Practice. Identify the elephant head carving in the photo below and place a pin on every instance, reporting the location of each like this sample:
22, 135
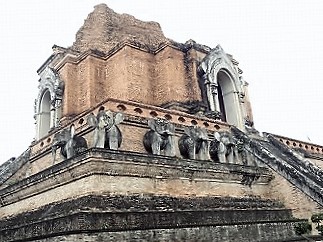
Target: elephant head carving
69, 143
193, 144
106, 133
223, 148
160, 137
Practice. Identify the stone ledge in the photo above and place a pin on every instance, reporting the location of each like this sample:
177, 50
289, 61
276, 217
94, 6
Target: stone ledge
129, 164
139, 202
122, 213
277, 232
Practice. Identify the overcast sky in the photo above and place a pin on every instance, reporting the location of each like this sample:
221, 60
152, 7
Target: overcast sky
279, 44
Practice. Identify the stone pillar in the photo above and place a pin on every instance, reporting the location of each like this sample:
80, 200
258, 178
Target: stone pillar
58, 111
215, 97
52, 114
212, 93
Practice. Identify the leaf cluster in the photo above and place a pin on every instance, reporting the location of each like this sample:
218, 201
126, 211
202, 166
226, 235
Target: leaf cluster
302, 227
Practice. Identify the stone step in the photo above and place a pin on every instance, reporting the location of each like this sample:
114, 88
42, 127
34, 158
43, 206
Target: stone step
124, 213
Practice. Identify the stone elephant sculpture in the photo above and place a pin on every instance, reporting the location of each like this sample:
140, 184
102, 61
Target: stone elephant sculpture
69, 143
160, 137
194, 143
106, 132
223, 148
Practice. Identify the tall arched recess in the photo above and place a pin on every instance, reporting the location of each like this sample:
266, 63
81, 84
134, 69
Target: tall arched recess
44, 119
227, 91
48, 102
224, 87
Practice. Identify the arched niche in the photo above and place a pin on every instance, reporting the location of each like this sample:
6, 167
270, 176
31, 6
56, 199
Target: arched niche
223, 86
48, 102
228, 100
44, 117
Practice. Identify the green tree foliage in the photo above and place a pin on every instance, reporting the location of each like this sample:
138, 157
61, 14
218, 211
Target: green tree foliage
318, 218
302, 227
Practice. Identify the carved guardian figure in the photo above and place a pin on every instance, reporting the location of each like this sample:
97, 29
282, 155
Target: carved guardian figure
106, 132
223, 148
194, 143
160, 137
69, 143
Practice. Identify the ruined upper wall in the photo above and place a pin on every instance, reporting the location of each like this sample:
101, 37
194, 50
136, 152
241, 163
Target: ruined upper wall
104, 29
117, 56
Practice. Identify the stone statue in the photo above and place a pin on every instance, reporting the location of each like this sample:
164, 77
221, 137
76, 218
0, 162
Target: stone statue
240, 146
160, 137
69, 143
194, 143
106, 132
217, 149
223, 148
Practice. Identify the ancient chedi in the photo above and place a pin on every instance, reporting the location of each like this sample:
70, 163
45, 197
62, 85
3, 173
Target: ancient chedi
141, 138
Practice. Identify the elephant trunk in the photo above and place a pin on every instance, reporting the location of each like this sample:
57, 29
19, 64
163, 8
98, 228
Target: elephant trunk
54, 149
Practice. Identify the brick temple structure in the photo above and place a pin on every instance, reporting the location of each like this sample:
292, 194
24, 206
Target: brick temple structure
141, 138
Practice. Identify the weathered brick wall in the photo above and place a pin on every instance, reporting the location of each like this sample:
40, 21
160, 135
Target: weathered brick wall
301, 205
77, 87
235, 233
101, 172
171, 81
130, 74
140, 76
152, 218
